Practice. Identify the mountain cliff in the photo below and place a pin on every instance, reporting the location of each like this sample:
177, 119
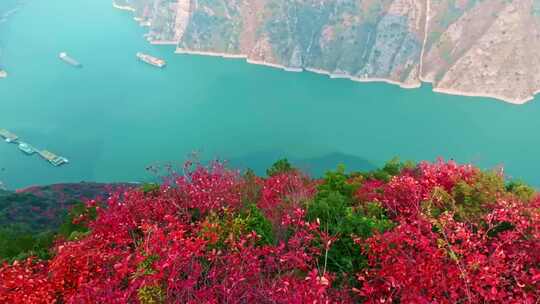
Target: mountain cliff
466, 47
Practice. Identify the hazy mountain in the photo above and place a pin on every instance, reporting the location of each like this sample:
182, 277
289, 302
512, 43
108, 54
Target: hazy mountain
314, 166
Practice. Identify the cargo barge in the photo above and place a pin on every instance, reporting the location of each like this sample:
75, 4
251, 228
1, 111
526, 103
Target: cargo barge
67, 59
151, 60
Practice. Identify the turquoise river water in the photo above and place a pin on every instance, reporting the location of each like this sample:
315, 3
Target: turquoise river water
116, 116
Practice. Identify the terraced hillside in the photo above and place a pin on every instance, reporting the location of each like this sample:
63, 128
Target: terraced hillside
469, 47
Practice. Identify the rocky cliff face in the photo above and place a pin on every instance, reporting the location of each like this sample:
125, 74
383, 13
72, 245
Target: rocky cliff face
469, 47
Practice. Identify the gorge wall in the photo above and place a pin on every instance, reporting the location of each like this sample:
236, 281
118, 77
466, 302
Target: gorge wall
465, 47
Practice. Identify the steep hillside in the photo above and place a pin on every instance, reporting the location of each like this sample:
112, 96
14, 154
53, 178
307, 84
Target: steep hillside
38, 209
468, 47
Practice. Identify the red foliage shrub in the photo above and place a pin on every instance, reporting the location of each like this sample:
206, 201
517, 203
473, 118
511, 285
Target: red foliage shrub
143, 245
281, 194
26, 282
403, 194
443, 258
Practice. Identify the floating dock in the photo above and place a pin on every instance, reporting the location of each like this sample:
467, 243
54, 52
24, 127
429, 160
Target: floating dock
52, 158
26, 148
8, 136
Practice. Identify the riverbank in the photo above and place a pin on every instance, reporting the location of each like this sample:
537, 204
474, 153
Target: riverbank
297, 70
516, 101
123, 7
238, 56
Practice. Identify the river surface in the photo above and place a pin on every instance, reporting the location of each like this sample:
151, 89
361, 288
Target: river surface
116, 116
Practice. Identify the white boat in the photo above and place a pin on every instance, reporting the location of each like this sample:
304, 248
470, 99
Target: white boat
159, 63
67, 59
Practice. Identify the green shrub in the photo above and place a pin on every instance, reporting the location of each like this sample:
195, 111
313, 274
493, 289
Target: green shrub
151, 294
334, 207
149, 188
229, 225
521, 190
255, 221
19, 241
146, 266
71, 230
392, 168
337, 182
472, 200
281, 166
18, 244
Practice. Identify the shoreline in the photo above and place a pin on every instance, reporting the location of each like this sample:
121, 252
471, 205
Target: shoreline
514, 101
367, 79
298, 70
123, 7
162, 42
237, 56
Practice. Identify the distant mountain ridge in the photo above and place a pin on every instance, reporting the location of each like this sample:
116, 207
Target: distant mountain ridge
468, 47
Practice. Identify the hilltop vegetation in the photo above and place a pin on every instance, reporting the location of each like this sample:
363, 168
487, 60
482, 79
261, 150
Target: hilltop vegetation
406, 233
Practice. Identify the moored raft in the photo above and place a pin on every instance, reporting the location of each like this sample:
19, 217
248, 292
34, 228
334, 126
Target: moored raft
26, 148
8, 136
52, 158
